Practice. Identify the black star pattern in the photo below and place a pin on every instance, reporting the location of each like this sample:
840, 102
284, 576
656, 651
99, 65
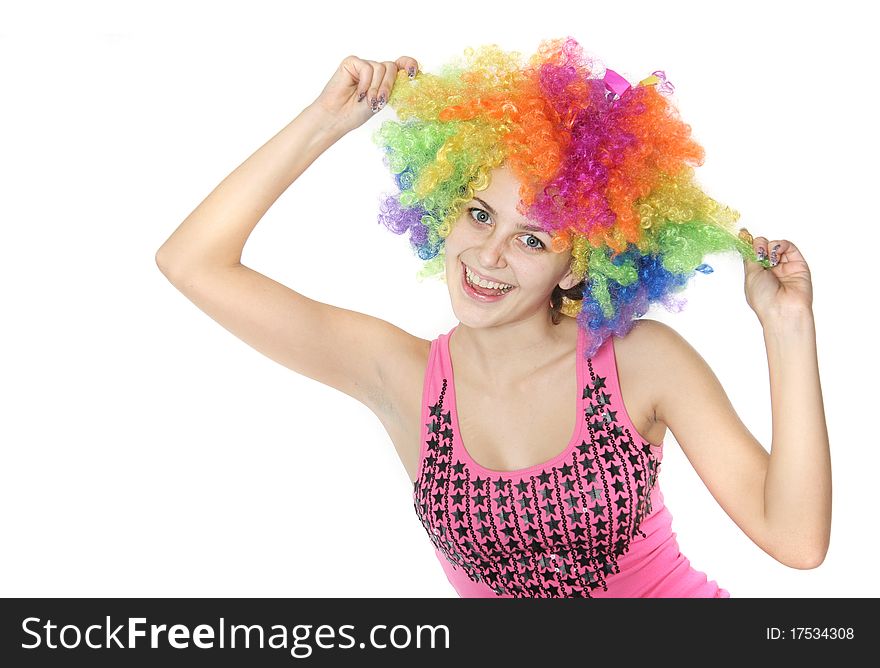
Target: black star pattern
556, 532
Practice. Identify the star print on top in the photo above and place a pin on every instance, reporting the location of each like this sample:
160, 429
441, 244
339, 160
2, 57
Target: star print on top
590, 522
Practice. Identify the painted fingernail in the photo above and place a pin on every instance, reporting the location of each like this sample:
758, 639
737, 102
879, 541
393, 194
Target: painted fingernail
373, 104
382, 100
773, 258
362, 96
412, 72
761, 253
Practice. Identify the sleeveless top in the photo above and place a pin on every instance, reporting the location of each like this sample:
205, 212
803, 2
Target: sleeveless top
590, 522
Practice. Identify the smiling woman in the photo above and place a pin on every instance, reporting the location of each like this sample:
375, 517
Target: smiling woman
533, 190
603, 168
601, 173
541, 242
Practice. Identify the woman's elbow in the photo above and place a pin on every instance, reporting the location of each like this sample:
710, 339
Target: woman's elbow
805, 559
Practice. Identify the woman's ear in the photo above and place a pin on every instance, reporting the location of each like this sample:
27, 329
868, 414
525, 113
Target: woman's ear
569, 280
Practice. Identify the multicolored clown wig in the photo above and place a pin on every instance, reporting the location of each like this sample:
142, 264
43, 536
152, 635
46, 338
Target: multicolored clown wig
606, 168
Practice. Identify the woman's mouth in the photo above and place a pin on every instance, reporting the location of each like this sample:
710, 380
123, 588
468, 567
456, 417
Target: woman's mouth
487, 292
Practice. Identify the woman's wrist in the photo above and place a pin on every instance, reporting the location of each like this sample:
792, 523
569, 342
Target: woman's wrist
325, 121
797, 320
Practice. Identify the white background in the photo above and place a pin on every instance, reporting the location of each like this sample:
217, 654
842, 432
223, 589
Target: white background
146, 451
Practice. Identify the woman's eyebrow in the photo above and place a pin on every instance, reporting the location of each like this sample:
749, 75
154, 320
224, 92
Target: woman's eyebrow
529, 228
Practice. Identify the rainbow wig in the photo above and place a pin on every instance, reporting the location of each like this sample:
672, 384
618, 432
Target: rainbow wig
606, 168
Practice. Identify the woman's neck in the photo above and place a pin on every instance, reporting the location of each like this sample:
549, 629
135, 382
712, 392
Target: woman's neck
508, 355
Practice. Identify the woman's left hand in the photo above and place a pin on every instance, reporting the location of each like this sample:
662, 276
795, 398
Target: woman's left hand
783, 288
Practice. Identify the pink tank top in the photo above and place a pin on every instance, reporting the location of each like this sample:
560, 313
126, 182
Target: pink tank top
590, 522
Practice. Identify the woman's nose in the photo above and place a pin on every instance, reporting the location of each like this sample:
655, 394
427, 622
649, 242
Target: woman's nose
491, 251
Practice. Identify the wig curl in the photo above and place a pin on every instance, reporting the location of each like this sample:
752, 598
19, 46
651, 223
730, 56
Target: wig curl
606, 168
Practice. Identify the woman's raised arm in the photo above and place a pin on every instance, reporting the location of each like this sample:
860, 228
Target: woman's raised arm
214, 234
202, 258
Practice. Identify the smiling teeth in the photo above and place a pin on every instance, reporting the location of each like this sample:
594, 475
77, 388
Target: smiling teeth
474, 279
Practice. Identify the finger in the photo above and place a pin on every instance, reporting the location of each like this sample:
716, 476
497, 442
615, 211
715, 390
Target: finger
782, 250
362, 72
376, 82
752, 266
774, 247
409, 64
760, 246
388, 80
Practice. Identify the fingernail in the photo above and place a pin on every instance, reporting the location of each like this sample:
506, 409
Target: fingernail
412, 72
760, 253
382, 100
362, 96
373, 104
773, 258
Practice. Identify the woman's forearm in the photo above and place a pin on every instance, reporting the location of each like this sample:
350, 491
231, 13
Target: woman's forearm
797, 489
214, 234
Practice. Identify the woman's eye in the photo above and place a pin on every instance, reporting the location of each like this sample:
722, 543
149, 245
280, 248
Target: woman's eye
479, 211
540, 245
483, 217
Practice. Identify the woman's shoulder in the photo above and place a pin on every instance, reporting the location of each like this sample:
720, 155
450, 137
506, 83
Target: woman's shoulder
649, 339
656, 357
644, 355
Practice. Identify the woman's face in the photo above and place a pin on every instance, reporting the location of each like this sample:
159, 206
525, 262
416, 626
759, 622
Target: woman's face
488, 239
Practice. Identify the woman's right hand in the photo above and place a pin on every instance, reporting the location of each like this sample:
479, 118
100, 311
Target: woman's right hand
359, 88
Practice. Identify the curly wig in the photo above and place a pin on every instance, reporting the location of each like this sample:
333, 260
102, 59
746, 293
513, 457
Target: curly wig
605, 167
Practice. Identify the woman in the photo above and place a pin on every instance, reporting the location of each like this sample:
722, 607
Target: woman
536, 191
